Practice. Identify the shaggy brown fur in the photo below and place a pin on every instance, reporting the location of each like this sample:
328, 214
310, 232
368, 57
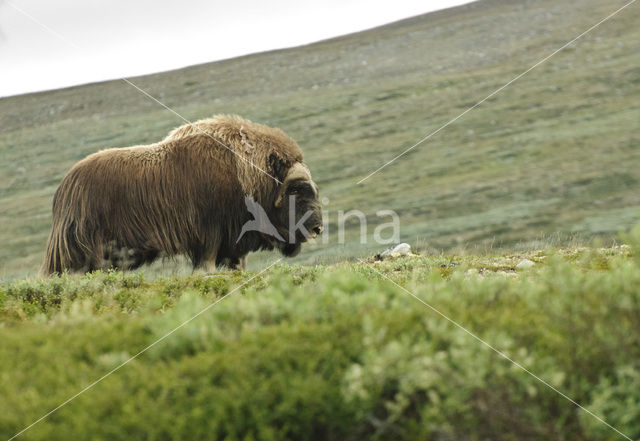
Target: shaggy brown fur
124, 207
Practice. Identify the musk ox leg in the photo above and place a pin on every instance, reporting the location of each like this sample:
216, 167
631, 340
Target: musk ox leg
232, 262
238, 263
134, 258
125, 257
208, 267
205, 266
204, 255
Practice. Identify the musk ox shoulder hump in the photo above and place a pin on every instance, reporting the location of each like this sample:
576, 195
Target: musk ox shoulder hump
241, 135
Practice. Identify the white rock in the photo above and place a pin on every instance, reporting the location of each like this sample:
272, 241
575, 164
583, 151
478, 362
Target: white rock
401, 249
524, 264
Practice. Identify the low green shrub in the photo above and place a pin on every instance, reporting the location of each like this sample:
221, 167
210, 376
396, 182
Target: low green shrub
336, 353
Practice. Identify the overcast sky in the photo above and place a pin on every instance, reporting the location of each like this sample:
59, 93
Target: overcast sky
106, 39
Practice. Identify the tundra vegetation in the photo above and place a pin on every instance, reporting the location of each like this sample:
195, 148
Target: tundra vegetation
331, 352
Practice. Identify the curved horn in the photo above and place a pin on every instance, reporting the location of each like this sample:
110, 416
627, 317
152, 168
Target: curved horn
297, 171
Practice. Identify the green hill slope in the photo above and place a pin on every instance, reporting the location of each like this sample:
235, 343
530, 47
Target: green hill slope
330, 353
556, 152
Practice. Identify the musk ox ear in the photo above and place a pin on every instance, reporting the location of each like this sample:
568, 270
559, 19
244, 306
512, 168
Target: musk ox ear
296, 172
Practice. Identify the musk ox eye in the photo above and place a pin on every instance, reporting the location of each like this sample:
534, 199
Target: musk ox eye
302, 188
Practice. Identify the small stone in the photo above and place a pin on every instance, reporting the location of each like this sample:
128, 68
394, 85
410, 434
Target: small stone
524, 264
401, 249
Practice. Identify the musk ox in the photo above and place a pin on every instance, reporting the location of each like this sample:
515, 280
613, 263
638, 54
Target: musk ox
213, 190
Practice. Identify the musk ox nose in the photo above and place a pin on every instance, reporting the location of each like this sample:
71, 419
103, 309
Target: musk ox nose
317, 230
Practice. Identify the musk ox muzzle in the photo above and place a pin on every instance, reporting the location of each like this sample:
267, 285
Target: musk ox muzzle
213, 190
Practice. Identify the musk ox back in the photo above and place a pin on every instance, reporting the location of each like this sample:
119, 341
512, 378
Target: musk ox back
193, 193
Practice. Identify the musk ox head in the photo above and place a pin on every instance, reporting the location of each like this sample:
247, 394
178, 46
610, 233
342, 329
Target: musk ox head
297, 211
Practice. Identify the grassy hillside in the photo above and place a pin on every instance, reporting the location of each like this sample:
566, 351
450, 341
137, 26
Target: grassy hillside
554, 153
331, 353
